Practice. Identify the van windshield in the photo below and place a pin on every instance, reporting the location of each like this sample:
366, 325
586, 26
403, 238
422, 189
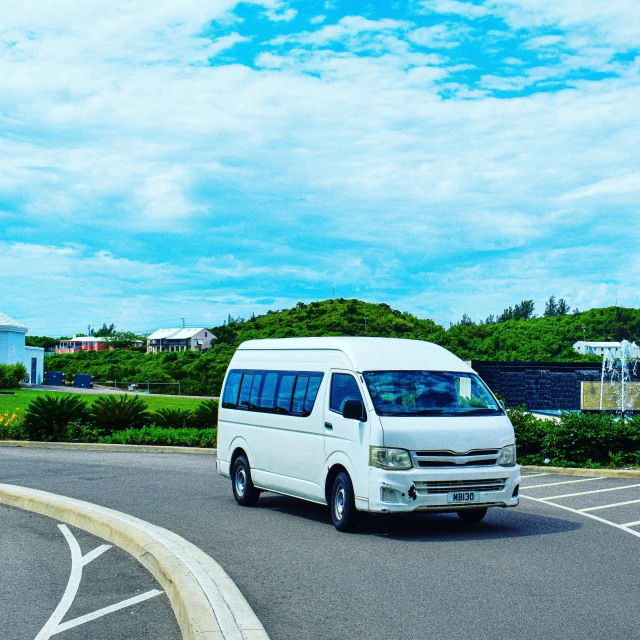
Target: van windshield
429, 393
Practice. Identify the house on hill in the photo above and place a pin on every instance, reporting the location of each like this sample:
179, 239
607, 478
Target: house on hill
184, 339
89, 343
14, 350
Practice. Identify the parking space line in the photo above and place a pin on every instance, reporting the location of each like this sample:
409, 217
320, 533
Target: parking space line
585, 493
586, 515
103, 612
553, 484
535, 475
609, 506
631, 524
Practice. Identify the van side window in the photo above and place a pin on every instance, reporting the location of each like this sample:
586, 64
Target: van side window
343, 387
255, 389
299, 393
284, 392
245, 389
312, 391
231, 389
268, 396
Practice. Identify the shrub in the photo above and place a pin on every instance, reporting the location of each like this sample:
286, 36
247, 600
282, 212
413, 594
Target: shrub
48, 417
530, 432
11, 375
11, 427
116, 412
174, 418
206, 415
156, 435
592, 438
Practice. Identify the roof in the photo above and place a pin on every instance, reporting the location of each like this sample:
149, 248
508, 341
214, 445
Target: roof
9, 324
372, 354
175, 334
597, 344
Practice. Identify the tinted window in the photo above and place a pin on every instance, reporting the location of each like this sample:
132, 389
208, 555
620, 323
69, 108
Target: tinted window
268, 395
284, 392
231, 389
343, 387
254, 396
299, 394
245, 389
312, 392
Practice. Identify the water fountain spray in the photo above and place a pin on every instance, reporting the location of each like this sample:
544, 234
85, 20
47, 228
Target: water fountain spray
628, 356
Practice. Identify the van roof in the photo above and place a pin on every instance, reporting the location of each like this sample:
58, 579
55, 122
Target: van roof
371, 354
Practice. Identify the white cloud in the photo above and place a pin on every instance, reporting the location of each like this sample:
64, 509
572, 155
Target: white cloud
628, 184
318, 19
436, 37
466, 9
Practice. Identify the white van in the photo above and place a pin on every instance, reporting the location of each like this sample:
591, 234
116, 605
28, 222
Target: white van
364, 424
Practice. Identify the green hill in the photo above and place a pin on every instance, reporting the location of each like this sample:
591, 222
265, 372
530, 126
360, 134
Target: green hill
541, 339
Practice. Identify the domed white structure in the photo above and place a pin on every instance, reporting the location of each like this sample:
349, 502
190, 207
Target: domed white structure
13, 349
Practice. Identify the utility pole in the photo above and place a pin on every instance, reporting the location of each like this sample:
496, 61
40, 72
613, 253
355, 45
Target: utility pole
183, 323
584, 333
365, 324
333, 294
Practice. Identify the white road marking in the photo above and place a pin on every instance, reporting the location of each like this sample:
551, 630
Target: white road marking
103, 612
586, 515
585, 493
553, 484
535, 475
54, 624
631, 524
77, 562
609, 506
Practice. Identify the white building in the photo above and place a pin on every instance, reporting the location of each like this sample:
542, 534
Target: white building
14, 350
598, 348
184, 339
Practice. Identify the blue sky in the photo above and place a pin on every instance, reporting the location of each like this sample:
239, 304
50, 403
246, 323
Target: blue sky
164, 159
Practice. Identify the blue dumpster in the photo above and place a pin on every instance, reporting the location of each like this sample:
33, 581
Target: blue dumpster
83, 380
55, 378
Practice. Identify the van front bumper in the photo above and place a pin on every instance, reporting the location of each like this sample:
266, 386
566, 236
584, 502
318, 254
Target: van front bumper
429, 489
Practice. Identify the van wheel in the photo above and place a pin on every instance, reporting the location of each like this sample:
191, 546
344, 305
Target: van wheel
244, 492
472, 515
343, 505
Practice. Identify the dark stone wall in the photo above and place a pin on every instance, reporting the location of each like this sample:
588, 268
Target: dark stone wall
538, 385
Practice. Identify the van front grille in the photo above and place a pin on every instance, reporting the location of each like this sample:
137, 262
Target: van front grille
472, 458
445, 486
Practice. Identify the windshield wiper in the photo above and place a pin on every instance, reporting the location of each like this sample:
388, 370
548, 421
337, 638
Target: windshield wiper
477, 411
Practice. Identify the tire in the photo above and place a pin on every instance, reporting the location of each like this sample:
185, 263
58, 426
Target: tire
472, 515
244, 492
343, 505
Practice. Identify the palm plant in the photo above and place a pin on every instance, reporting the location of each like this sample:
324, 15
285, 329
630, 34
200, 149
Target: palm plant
206, 414
175, 418
48, 417
115, 413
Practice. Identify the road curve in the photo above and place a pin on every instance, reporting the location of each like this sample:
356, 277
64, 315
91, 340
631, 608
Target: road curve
529, 572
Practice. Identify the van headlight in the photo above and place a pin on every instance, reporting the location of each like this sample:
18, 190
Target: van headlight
507, 457
391, 459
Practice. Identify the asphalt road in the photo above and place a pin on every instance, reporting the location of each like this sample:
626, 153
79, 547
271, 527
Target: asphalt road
35, 567
536, 571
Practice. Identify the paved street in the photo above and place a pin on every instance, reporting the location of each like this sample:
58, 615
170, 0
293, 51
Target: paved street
36, 566
538, 571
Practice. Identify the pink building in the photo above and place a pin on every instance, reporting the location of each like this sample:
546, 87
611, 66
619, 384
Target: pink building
88, 343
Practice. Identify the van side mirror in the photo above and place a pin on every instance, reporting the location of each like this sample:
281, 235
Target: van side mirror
354, 410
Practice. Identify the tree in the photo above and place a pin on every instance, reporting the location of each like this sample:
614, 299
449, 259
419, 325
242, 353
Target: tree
122, 339
466, 320
105, 330
551, 307
563, 307
524, 310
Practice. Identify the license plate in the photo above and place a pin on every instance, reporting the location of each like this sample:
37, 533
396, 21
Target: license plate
463, 497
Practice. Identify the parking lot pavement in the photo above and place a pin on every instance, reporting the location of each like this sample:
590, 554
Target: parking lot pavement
611, 501
42, 562
535, 572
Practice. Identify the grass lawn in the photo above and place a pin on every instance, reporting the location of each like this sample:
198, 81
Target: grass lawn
23, 396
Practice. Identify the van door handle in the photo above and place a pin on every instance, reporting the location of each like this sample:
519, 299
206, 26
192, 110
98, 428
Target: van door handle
328, 425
